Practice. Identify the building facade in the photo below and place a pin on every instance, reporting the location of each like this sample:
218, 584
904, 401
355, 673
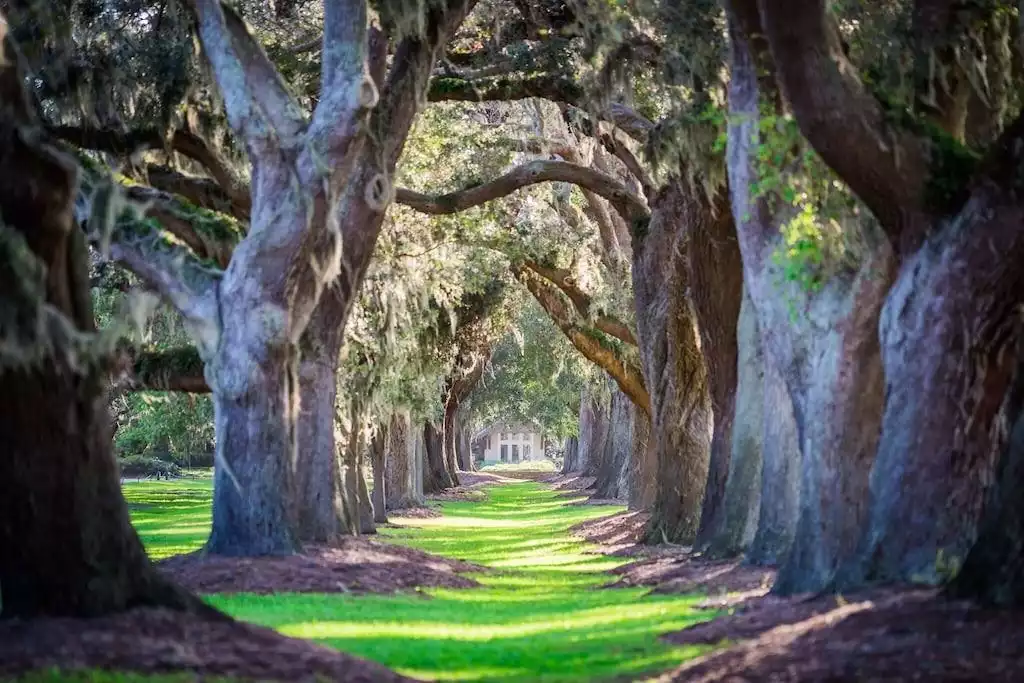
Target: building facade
509, 443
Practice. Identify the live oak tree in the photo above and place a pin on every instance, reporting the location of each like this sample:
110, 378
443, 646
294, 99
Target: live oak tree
70, 549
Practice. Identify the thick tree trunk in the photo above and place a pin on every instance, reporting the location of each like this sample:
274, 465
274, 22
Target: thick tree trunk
403, 467
357, 495
378, 458
716, 289
320, 503
571, 459
594, 409
780, 471
616, 460
255, 405
436, 476
993, 572
69, 548
829, 358
463, 449
948, 333
674, 370
741, 506
642, 466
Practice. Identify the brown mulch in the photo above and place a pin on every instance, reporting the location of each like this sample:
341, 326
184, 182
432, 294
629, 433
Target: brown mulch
615, 534
571, 482
422, 512
882, 635
352, 565
159, 641
684, 573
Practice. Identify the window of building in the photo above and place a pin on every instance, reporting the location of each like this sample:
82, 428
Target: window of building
526, 451
504, 436
515, 453
504, 453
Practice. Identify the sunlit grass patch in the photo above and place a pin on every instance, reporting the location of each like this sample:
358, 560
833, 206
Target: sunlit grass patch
540, 615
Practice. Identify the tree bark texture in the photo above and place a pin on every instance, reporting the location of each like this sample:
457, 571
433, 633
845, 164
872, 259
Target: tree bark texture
829, 359
69, 547
642, 465
436, 475
594, 407
948, 330
571, 459
378, 456
617, 455
320, 499
993, 572
674, 368
254, 412
463, 449
741, 506
403, 467
716, 290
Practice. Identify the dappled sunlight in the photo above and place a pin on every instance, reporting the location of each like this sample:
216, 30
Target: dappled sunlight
540, 613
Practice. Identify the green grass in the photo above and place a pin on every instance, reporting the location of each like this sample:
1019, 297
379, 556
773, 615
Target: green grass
539, 615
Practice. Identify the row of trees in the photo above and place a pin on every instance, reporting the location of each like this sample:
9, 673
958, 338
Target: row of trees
820, 344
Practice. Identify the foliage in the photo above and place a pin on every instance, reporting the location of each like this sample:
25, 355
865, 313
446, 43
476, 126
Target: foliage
820, 237
173, 426
535, 375
544, 620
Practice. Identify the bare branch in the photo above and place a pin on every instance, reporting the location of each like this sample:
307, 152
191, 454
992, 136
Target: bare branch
258, 104
531, 173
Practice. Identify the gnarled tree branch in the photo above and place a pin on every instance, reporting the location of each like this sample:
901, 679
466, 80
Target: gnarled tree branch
886, 165
531, 173
629, 377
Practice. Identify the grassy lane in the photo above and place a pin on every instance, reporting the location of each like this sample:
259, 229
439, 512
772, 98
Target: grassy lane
538, 617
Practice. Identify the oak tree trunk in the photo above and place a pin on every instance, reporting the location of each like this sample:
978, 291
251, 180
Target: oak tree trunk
948, 333
993, 572
741, 506
571, 459
463, 450
436, 475
674, 369
378, 457
403, 466
642, 465
69, 548
828, 357
616, 457
716, 289
320, 500
593, 430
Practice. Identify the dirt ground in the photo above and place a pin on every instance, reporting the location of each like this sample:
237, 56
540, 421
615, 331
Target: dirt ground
159, 641
352, 565
895, 634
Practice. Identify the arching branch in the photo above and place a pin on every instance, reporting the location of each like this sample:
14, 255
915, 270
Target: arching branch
582, 301
628, 376
531, 173
885, 164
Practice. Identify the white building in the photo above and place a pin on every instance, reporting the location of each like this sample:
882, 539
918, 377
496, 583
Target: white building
511, 443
